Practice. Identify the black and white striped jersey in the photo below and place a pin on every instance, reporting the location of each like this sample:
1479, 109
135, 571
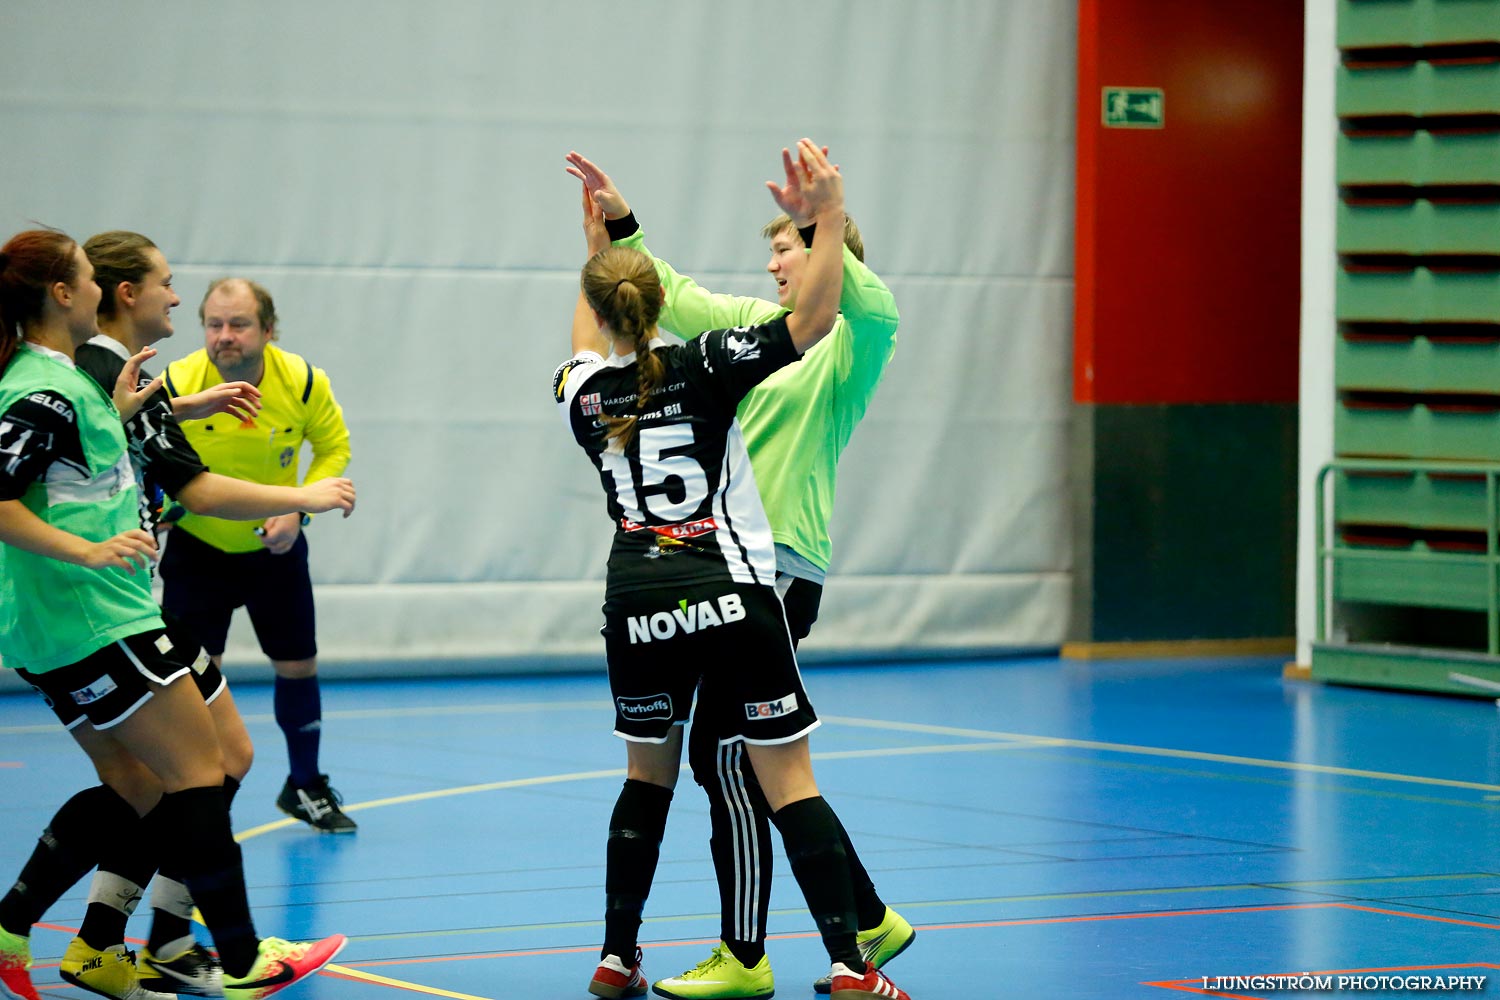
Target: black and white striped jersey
681, 495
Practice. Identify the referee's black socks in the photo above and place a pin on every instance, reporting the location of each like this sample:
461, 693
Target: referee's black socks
635, 831
811, 834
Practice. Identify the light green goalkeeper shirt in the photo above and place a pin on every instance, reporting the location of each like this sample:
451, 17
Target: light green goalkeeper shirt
797, 422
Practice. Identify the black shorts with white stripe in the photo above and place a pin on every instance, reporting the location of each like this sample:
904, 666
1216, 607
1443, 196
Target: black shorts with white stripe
107, 686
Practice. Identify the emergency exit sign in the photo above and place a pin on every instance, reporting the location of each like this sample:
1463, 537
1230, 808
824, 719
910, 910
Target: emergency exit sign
1134, 107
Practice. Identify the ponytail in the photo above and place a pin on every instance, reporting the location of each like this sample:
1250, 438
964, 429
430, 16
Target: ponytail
622, 287
31, 262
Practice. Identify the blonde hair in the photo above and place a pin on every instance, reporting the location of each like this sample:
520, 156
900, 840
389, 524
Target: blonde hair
622, 287
852, 238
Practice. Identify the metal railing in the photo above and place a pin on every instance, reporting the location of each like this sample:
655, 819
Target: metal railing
1329, 553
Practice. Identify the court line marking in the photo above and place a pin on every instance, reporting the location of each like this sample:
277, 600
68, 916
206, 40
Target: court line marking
1131, 748
912, 727
357, 975
617, 772
975, 925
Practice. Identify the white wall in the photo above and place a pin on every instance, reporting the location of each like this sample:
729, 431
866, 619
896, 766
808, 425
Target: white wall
1319, 207
393, 173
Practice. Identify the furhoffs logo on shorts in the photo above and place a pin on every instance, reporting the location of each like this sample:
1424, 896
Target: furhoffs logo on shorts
652, 706
785, 705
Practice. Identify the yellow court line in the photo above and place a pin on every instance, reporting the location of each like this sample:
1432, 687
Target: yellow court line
369, 977
1057, 741
442, 793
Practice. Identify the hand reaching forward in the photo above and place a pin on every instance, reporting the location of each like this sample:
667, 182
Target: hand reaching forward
127, 550
598, 185
333, 493
128, 398
238, 399
813, 185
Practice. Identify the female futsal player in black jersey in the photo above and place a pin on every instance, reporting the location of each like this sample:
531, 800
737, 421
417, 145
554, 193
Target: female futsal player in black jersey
690, 584
77, 619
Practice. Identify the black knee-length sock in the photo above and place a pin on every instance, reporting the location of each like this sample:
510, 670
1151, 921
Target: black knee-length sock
68, 848
635, 831
810, 833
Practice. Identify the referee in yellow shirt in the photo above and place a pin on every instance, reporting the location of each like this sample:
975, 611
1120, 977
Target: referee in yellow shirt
212, 566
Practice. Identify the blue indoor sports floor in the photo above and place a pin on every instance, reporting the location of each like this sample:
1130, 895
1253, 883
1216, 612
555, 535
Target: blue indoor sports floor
1052, 828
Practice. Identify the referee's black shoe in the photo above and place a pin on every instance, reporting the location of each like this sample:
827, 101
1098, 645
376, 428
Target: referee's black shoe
317, 805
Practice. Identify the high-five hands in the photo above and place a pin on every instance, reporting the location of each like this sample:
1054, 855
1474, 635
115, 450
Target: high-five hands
813, 185
597, 185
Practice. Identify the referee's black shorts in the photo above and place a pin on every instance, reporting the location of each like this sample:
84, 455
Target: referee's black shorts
203, 585
733, 637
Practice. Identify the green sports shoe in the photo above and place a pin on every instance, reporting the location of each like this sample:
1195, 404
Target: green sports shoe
878, 945
720, 976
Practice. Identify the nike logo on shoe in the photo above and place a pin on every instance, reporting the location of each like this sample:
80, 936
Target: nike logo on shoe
283, 974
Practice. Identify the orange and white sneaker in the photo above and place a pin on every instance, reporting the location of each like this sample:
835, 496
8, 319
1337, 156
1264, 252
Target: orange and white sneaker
280, 964
850, 985
15, 959
614, 979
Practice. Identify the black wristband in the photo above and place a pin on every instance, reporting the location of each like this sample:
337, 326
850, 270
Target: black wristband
806, 232
622, 227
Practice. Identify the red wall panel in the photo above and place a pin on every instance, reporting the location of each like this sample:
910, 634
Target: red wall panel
1187, 236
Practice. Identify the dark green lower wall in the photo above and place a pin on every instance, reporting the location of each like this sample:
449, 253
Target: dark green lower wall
1192, 529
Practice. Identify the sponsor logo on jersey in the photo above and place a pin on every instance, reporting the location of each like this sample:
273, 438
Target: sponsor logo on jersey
686, 618
589, 404
652, 706
560, 377
56, 404
689, 529
664, 547
785, 705
286, 457
95, 691
741, 348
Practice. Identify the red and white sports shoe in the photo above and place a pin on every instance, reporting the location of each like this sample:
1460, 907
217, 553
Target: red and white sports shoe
614, 979
15, 959
279, 964
850, 985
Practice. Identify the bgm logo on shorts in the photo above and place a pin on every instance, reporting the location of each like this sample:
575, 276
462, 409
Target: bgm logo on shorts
785, 705
652, 706
88, 695
687, 617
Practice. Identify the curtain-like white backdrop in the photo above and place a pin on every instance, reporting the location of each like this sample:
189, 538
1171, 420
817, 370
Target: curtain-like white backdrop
393, 173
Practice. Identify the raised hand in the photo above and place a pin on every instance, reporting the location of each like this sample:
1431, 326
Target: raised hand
793, 200
128, 398
813, 185
126, 551
598, 185
594, 230
238, 399
333, 493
